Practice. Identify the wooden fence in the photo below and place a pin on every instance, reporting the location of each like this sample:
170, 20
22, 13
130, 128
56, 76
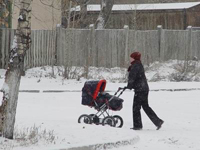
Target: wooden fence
103, 48
41, 53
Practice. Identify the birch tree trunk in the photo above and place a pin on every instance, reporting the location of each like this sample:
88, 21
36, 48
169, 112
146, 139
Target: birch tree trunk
10, 89
106, 8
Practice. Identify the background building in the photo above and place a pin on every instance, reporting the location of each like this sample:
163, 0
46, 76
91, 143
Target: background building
143, 1
46, 14
146, 16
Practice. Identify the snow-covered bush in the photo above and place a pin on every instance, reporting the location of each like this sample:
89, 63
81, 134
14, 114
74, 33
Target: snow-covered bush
34, 135
30, 136
186, 71
174, 71
171, 70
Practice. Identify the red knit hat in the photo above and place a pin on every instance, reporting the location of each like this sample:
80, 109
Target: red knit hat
136, 55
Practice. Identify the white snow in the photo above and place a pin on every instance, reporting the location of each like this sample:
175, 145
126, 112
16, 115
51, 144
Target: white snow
103, 4
14, 45
91, 25
101, 22
153, 6
126, 26
21, 17
58, 25
59, 112
4, 89
14, 48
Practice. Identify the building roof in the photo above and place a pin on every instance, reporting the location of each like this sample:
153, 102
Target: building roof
154, 6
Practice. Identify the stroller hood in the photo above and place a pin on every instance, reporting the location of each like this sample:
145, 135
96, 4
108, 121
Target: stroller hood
91, 90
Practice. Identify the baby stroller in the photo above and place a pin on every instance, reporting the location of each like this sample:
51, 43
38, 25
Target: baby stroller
93, 95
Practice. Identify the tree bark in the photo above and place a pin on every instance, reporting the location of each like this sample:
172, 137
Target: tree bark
64, 14
10, 89
83, 13
106, 8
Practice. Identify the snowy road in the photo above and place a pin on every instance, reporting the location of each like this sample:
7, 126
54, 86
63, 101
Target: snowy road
60, 111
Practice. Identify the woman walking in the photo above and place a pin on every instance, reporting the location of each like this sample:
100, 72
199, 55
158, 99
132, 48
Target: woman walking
137, 81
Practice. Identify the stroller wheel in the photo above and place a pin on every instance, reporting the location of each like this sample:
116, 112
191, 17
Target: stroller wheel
95, 119
85, 119
118, 120
109, 121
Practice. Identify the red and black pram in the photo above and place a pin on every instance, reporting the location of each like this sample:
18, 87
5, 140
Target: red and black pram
94, 95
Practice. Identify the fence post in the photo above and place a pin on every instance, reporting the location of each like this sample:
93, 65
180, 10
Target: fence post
135, 46
91, 46
93, 51
56, 45
1, 39
159, 28
88, 57
126, 30
188, 49
189, 44
58, 49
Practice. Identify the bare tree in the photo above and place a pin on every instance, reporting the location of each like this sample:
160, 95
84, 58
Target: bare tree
83, 13
11, 85
68, 16
82, 20
64, 15
106, 8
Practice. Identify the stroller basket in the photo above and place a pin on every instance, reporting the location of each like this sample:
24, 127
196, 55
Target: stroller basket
93, 95
113, 103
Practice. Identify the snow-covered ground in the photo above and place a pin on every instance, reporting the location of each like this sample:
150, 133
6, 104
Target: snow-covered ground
53, 116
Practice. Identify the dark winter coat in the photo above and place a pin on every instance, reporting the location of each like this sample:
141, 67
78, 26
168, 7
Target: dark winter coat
137, 79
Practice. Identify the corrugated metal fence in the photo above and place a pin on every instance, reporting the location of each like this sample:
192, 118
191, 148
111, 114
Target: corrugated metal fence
102, 48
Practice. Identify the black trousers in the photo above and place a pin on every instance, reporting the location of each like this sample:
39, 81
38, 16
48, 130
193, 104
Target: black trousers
141, 100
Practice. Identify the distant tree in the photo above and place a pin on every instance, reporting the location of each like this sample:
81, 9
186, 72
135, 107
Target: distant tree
83, 13
80, 18
67, 16
14, 71
106, 8
65, 4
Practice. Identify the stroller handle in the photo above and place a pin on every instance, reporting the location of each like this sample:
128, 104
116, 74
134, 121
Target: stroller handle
122, 89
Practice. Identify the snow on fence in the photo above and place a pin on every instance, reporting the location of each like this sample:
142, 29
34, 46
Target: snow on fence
103, 48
